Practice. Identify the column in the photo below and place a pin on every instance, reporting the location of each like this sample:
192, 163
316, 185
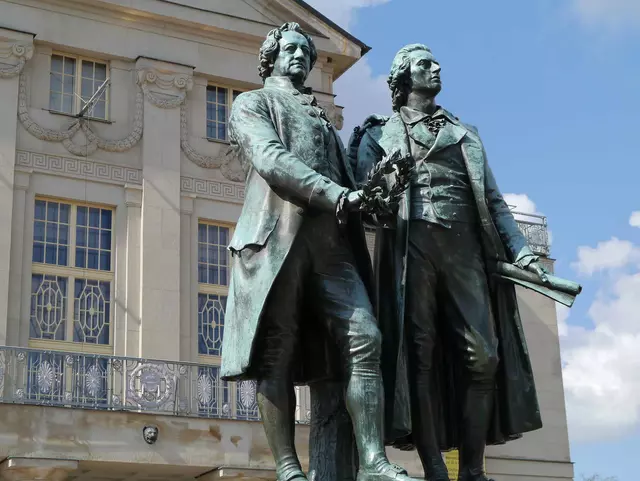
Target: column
20, 187
132, 324
187, 313
165, 88
33, 469
15, 49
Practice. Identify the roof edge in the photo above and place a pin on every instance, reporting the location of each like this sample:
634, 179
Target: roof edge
364, 48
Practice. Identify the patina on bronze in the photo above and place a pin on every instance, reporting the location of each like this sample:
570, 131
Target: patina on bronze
452, 333
299, 306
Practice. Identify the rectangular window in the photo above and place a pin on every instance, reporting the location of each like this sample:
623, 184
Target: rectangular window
73, 81
213, 282
72, 277
219, 101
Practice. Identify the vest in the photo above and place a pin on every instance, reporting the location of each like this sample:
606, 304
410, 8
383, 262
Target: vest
441, 190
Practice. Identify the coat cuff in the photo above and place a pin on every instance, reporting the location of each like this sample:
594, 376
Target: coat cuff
326, 195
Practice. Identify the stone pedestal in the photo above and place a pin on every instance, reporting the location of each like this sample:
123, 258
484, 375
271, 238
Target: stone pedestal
30, 469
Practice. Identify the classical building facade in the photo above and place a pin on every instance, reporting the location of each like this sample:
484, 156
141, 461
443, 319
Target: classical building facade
114, 222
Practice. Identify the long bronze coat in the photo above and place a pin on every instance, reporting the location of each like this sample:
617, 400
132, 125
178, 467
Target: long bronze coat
277, 135
516, 404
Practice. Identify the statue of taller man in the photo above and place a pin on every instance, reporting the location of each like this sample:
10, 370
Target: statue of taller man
299, 307
469, 373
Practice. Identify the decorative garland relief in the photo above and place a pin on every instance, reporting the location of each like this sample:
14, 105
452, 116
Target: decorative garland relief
228, 163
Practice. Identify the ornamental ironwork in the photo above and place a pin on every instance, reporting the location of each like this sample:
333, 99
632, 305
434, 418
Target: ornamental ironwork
114, 383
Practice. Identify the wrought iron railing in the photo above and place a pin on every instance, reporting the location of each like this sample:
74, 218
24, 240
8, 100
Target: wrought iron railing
534, 228
93, 381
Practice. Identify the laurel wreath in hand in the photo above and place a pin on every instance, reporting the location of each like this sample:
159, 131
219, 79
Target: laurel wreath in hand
376, 196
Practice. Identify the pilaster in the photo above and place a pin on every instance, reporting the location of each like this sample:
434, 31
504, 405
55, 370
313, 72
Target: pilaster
33, 469
132, 324
165, 88
15, 50
187, 247
20, 187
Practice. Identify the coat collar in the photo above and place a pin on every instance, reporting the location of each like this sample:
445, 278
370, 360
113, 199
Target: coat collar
284, 83
449, 135
411, 116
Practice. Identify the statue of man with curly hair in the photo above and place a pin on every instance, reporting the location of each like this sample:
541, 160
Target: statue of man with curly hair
452, 333
299, 307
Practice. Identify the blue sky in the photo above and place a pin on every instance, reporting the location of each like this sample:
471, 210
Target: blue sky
554, 88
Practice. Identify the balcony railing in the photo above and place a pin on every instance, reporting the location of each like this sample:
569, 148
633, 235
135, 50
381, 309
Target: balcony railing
92, 381
534, 228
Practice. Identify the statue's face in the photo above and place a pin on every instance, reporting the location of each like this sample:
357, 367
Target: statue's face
425, 72
294, 58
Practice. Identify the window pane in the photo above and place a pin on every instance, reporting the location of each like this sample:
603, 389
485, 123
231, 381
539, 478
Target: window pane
222, 113
38, 252
212, 253
40, 210
81, 236
87, 69
52, 211
67, 104
56, 63
48, 299
105, 219
100, 72
50, 254
62, 256
87, 89
63, 234
94, 236
55, 83
99, 110
210, 323
64, 213
68, 85
92, 302
211, 130
222, 95
38, 231
222, 131
94, 217
211, 94
105, 239
81, 257
105, 261
69, 66
92, 259
82, 216
49, 236
52, 233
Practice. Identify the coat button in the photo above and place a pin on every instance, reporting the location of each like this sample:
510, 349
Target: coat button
313, 113
295, 92
300, 211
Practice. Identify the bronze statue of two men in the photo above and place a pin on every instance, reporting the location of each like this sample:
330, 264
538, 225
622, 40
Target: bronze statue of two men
428, 349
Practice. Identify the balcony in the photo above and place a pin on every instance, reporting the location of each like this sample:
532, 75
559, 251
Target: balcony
112, 383
534, 228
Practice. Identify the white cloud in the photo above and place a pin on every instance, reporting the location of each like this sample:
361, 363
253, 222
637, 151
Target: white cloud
359, 91
521, 203
608, 13
634, 220
601, 363
611, 254
562, 314
341, 11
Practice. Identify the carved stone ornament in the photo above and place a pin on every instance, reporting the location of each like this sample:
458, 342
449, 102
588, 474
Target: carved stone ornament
171, 82
228, 163
14, 52
93, 142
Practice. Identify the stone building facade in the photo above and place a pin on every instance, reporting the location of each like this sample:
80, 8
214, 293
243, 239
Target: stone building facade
113, 228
